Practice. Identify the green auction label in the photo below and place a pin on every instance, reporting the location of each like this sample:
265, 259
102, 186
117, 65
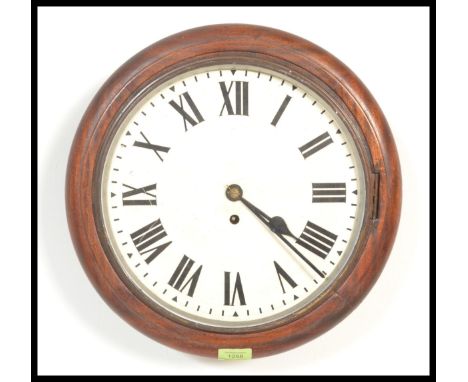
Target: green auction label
234, 354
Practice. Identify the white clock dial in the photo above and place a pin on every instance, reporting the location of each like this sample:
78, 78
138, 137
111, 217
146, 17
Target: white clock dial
212, 260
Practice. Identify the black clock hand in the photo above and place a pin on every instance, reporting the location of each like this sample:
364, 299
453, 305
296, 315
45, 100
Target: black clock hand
279, 227
294, 249
276, 224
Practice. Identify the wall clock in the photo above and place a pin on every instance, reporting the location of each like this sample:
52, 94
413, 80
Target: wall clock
233, 191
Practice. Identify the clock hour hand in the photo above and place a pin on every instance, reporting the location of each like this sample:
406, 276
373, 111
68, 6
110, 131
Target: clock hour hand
276, 224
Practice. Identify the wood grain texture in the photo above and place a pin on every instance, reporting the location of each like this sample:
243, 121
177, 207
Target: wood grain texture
272, 48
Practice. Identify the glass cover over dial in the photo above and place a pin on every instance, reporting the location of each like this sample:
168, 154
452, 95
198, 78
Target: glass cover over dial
232, 196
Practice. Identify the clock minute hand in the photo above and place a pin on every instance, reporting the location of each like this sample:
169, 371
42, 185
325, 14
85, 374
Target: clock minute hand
279, 227
276, 224
296, 251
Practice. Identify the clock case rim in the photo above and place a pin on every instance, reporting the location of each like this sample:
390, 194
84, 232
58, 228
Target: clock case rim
250, 45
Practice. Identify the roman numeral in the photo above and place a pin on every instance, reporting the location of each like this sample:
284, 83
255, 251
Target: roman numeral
180, 279
315, 145
241, 99
147, 237
238, 291
282, 275
149, 201
280, 111
328, 192
196, 116
149, 145
317, 240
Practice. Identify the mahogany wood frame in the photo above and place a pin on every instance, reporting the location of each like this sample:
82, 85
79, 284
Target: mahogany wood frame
270, 48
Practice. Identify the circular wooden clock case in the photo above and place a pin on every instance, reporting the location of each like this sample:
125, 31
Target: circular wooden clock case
305, 74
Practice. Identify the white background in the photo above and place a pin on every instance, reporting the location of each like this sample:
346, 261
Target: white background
387, 48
